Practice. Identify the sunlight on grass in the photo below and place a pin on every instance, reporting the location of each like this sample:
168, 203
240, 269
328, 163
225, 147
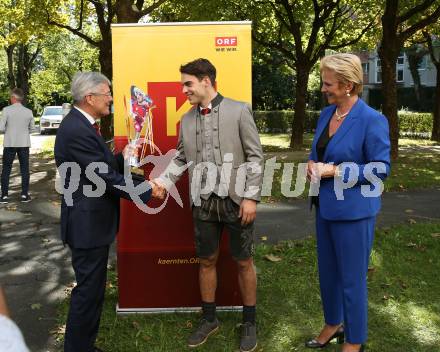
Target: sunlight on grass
404, 296
281, 335
279, 140
417, 142
420, 322
282, 140
375, 259
48, 145
420, 316
417, 167
404, 292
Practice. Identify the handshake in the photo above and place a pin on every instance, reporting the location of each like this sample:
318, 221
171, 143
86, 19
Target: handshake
159, 190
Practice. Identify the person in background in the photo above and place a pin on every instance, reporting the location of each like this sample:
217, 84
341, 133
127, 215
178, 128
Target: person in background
348, 131
17, 123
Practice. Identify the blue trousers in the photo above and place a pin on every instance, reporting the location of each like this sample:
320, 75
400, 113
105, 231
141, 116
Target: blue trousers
8, 159
343, 254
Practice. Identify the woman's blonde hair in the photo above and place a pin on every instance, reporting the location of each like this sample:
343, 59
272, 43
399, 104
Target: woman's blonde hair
347, 68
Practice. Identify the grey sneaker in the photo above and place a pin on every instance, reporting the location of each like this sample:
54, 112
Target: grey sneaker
248, 340
4, 200
202, 333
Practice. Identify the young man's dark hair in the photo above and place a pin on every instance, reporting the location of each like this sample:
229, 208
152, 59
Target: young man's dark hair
200, 68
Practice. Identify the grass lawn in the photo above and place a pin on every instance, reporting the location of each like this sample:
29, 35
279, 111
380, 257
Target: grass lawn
404, 304
418, 165
47, 148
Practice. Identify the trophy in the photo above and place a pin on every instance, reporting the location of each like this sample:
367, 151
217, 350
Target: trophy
139, 121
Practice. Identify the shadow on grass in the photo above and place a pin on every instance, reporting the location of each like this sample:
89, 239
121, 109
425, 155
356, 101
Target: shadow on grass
405, 290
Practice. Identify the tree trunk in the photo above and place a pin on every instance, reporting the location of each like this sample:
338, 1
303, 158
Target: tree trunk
436, 113
23, 70
388, 60
302, 79
105, 60
125, 12
413, 62
10, 56
388, 52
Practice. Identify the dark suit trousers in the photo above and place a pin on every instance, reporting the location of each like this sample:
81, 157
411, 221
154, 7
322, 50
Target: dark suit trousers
8, 159
90, 266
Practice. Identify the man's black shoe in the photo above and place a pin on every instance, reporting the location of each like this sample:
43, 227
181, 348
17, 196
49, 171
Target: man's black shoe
4, 200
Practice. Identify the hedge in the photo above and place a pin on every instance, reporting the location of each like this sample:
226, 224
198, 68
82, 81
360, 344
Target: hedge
411, 123
415, 122
281, 121
406, 98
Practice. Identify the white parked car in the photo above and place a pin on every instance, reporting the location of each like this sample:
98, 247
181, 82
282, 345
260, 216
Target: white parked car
51, 118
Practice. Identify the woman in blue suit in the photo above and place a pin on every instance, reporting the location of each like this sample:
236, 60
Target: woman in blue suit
350, 158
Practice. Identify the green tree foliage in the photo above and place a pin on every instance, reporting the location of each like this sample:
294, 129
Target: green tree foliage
272, 82
62, 55
91, 20
300, 31
20, 37
401, 20
3, 80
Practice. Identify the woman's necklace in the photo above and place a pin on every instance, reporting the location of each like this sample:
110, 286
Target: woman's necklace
339, 116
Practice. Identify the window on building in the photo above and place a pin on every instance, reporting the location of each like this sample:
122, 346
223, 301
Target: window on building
422, 63
400, 64
365, 67
378, 71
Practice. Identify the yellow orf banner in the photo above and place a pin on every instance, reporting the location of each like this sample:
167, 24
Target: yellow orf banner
157, 268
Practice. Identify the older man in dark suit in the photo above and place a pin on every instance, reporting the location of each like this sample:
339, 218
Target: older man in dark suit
93, 183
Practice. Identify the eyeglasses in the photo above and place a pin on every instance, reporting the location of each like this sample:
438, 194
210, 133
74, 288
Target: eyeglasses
108, 94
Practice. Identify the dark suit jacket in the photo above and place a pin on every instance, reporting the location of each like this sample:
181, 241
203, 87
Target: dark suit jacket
362, 138
91, 221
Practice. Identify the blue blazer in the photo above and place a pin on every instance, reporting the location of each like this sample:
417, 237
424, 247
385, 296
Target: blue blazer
362, 138
91, 221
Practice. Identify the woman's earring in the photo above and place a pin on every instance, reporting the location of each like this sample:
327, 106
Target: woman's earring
348, 93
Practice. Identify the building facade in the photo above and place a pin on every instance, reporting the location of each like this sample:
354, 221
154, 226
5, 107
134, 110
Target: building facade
371, 65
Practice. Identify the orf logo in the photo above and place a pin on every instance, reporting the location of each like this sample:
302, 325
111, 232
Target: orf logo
225, 41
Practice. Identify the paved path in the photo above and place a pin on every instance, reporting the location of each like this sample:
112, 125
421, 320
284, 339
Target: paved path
35, 268
294, 220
